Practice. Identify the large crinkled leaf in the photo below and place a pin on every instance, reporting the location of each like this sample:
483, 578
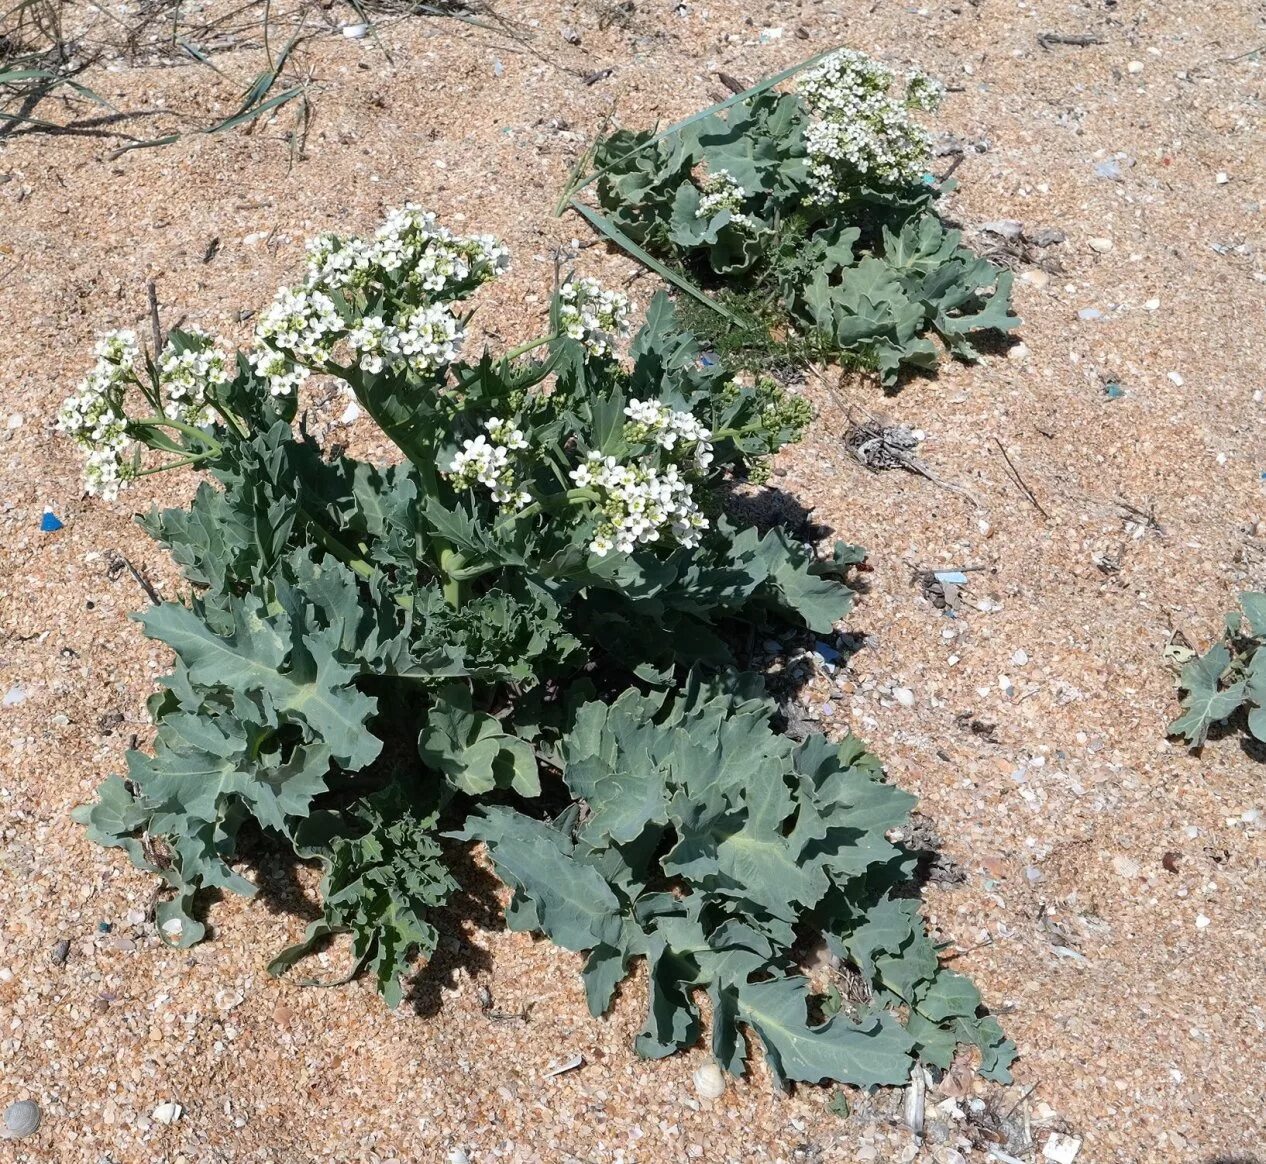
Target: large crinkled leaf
876, 1050
892, 951
762, 840
380, 886
294, 667
571, 901
1207, 702
471, 748
1255, 691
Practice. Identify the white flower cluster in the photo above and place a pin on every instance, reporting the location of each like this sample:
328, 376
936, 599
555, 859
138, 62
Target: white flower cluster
187, 376
93, 417
639, 504
407, 245
592, 315
487, 462
302, 322
722, 192
410, 256
423, 338
282, 374
653, 420
859, 133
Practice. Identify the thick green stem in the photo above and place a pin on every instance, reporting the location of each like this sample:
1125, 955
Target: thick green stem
180, 426
454, 585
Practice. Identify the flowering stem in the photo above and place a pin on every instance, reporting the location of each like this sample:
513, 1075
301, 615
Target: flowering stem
357, 565
523, 349
188, 430
192, 459
548, 504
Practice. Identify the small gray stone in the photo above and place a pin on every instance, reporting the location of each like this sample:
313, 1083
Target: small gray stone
21, 1119
1044, 236
1003, 227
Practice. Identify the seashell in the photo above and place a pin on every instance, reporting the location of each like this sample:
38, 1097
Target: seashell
168, 1113
709, 1081
21, 1119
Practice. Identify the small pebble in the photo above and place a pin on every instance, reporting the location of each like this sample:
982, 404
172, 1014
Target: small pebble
1135, 66
355, 31
1176, 377
1201, 921
904, 696
1037, 278
21, 1119
168, 1113
1020, 658
1090, 313
1222, 178
1100, 245
1151, 305
1018, 352
61, 951
1061, 1149
709, 1081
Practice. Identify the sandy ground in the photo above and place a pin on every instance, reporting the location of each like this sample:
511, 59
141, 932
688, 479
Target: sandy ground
1110, 908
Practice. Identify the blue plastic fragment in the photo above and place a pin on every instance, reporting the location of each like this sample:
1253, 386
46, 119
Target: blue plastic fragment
929, 179
1114, 391
828, 652
50, 523
708, 360
953, 577
105, 927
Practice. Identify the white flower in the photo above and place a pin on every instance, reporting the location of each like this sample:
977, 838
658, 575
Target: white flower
187, 377
592, 315
302, 322
860, 133
722, 192
487, 462
652, 420
94, 418
639, 504
283, 375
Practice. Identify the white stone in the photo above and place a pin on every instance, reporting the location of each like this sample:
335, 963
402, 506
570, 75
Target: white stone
1135, 66
1201, 921
1176, 377
168, 1113
904, 696
1101, 245
709, 1081
1061, 1149
1222, 178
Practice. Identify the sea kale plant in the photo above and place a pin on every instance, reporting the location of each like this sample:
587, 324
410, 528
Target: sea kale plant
807, 220
526, 631
1228, 678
